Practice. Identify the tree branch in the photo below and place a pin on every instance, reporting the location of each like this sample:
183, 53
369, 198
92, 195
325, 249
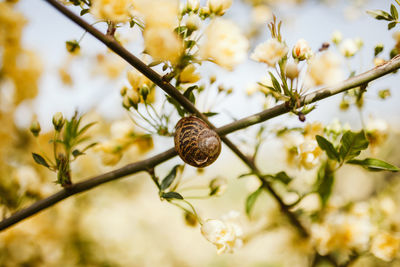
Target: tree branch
143, 165
173, 92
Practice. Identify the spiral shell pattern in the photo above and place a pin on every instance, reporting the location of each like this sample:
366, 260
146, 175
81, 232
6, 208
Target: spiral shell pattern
195, 142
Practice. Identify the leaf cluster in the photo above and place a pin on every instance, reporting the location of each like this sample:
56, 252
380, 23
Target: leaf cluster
392, 17
68, 136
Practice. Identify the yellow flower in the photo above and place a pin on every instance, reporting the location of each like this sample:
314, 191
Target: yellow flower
218, 7
309, 154
188, 75
324, 69
113, 10
225, 44
302, 50
269, 52
348, 47
224, 234
159, 13
385, 246
162, 44
137, 79
337, 37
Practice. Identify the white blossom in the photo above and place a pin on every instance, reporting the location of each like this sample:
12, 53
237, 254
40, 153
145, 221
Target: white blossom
270, 52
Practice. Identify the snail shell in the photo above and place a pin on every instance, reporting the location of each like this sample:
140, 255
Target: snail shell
196, 143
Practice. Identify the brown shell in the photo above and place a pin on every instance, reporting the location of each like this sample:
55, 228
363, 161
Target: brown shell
195, 142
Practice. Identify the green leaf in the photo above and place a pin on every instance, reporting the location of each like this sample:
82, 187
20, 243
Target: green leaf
393, 12
328, 147
89, 146
84, 11
351, 145
378, 49
86, 127
380, 15
391, 25
374, 164
155, 63
76, 153
251, 200
167, 181
324, 183
40, 160
275, 83
178, 107
210, 114
189, 93
172, 195
246, 174
190, 43
283, 177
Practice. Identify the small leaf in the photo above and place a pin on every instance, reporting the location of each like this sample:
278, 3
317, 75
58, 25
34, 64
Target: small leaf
324, 183
86, 127
283, 177
181, 110
328, 147
351, 145
374, 164
380, 15
275, 83
251, 200
76, 153
245, 174
155, 63
167, 181
40, 160
378, 49
89, 146
391, 25
189, 93
210, 114
84, 11
190, 43
172, 195
393, 12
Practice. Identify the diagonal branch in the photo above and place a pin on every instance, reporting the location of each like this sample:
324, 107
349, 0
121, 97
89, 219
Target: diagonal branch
143, 165
174, 93
151, 162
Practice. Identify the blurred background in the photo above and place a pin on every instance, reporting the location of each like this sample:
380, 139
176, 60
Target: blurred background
124, 223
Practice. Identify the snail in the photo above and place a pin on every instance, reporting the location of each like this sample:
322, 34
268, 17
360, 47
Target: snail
195, 142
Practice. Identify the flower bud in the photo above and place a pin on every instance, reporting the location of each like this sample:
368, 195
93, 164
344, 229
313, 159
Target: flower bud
133, 97
58, 121
292, 72
35, 128
349, 48
301, 50
144, 91
193, 5
218, 186
192, 22
337, 37
190, 219
123, 90
218, 7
